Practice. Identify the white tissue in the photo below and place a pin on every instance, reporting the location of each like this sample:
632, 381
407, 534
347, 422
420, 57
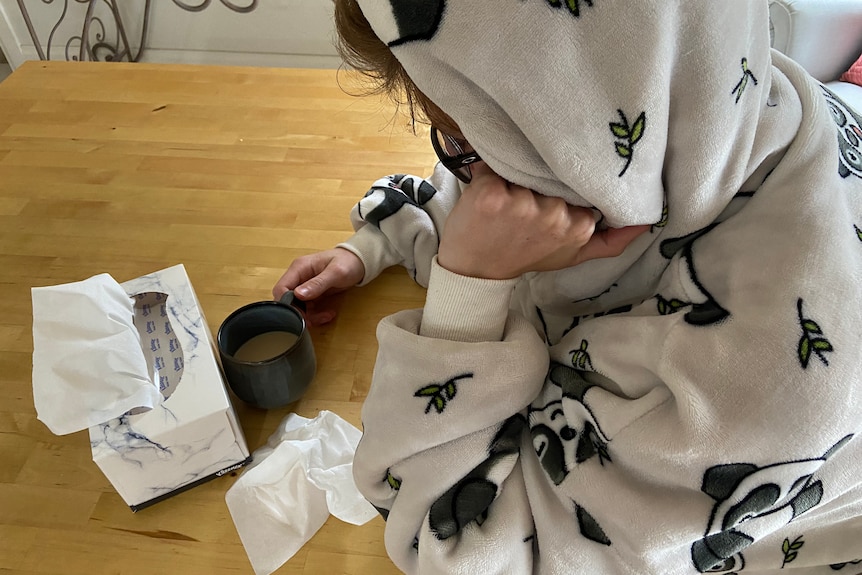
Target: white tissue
302, 474
88, 365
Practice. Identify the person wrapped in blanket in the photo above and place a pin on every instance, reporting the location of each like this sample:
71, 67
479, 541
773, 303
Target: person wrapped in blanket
641, 346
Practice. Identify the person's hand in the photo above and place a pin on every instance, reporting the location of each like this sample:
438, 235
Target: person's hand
315, 278
498, 230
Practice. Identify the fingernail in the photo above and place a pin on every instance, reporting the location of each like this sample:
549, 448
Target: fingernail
303, 291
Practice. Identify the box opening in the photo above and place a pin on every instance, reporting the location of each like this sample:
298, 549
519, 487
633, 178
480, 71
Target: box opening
161, 347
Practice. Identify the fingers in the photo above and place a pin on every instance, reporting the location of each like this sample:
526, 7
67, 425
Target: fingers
320, 312
313, 275
481, 169
609, 243
300, 270
484, 178
309, 277
318, 285
303, 278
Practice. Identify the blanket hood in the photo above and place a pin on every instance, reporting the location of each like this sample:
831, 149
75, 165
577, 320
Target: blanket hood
638, 109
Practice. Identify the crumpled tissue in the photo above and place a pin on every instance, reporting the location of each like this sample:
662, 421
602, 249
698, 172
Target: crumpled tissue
88, 364
302, 474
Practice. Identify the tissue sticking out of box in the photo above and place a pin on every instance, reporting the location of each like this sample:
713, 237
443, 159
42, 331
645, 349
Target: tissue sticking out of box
89, 364
136, 363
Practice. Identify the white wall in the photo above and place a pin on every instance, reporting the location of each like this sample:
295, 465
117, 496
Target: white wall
292, 33
8, 41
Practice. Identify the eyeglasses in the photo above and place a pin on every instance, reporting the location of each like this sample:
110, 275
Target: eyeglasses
456, 155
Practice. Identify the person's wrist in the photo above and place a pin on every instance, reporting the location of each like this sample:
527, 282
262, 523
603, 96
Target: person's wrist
482, 268
465, 308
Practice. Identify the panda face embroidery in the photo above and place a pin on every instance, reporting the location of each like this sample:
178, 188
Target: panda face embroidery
553, 440
564, 431
752, 501
849, 135
398, 22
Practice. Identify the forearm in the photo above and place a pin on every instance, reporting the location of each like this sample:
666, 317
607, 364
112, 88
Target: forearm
461, 308
398, 222
443, 424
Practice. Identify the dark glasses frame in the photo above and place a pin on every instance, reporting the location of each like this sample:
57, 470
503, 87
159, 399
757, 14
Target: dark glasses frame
458, 164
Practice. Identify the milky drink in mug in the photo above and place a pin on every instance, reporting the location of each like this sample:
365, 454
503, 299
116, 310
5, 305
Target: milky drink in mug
266, 352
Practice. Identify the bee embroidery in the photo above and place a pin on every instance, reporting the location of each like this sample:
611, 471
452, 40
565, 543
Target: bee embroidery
581, 358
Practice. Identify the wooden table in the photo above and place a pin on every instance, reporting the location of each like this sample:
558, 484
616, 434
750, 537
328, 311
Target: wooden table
132, 168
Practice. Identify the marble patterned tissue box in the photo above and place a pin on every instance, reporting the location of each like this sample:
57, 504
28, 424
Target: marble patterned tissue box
193, 435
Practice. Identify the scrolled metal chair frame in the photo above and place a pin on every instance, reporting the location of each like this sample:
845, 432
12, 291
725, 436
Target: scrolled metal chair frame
93, 43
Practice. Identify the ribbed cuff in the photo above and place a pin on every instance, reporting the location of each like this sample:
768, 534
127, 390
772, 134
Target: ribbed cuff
462, 308
372, 247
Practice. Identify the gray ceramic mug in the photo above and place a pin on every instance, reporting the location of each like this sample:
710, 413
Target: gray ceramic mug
266, 352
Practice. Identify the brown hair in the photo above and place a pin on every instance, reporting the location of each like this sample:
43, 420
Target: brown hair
362, 50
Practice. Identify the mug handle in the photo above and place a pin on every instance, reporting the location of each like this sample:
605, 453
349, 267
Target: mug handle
291, 300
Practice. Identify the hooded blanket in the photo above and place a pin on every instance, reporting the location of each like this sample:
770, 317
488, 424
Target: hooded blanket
691, 406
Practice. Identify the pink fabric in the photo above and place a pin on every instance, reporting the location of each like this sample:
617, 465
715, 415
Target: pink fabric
854, 74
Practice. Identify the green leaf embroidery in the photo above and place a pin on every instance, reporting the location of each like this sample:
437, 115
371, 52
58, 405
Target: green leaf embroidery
428, 390
393, 481
440, 394
809, 343
638, 128
627, 136
620, 130
667, 307
858, 232
743, 83
451, 390
574, 6
439, 403
663, 221
811, 327
821, 345
790, 549
804, 351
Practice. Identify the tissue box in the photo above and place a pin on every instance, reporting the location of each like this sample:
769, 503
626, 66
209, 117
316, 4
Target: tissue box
193, 435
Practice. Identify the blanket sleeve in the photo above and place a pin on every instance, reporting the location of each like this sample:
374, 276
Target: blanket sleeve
443, 424
399, 221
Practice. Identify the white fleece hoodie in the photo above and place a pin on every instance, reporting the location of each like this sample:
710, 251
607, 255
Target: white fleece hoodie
693, 405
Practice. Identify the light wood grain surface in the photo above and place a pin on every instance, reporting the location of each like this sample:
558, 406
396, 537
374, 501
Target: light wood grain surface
234, 172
